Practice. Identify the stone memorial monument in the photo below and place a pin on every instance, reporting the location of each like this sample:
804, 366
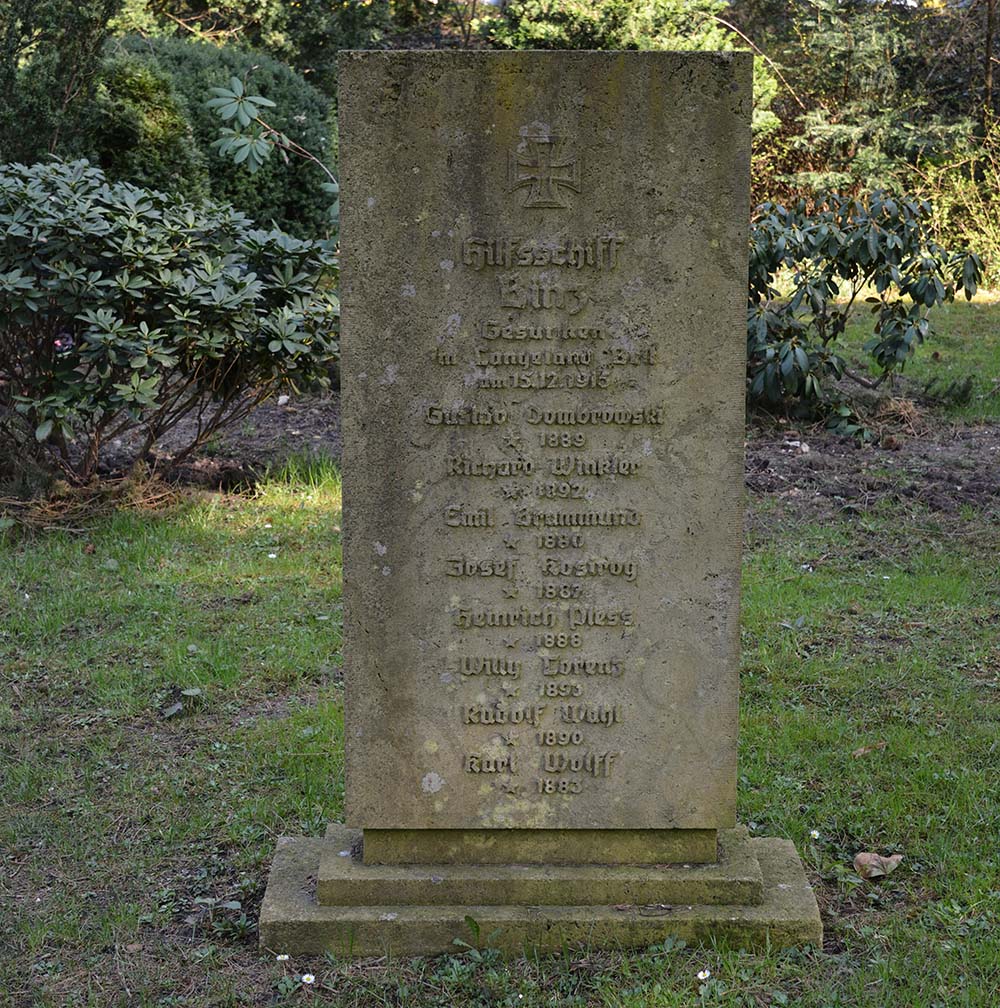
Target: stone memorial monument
544, 282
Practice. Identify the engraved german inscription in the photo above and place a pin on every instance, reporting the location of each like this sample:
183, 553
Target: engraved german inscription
599, 252
547, 533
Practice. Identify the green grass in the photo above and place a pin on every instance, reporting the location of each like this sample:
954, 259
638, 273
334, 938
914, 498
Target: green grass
967, 344
121, 811
135, 835
170, 704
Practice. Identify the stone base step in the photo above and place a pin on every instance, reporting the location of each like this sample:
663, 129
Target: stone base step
345, 881
292, 920
539, 846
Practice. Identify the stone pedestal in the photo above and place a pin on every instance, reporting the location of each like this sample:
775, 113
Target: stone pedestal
322, 897
544, 276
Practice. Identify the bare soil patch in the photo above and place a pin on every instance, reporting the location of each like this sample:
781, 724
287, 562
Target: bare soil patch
818, 474
236, 458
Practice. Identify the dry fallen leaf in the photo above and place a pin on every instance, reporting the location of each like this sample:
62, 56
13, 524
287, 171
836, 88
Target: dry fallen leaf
866, 749
870, 866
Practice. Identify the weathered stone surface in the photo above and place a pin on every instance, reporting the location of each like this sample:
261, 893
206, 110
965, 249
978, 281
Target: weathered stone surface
544, 280
291, 919
345, 881
539, 846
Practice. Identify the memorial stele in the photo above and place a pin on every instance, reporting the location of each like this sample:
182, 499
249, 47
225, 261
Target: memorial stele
544, 271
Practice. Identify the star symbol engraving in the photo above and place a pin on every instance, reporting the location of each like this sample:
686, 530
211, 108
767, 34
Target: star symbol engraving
510, 591
511, 491
509, 787
511, 642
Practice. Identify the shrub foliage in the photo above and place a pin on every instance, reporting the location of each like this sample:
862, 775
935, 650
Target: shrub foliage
125, 311
139, 130
878, 247
288, 193
135, 106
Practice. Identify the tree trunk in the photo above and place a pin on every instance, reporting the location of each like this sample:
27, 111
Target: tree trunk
990, 34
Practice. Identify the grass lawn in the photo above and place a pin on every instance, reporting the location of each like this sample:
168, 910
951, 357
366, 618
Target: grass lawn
171, 703
966, 344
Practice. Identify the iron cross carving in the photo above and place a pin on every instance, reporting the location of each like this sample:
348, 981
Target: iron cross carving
544, 167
